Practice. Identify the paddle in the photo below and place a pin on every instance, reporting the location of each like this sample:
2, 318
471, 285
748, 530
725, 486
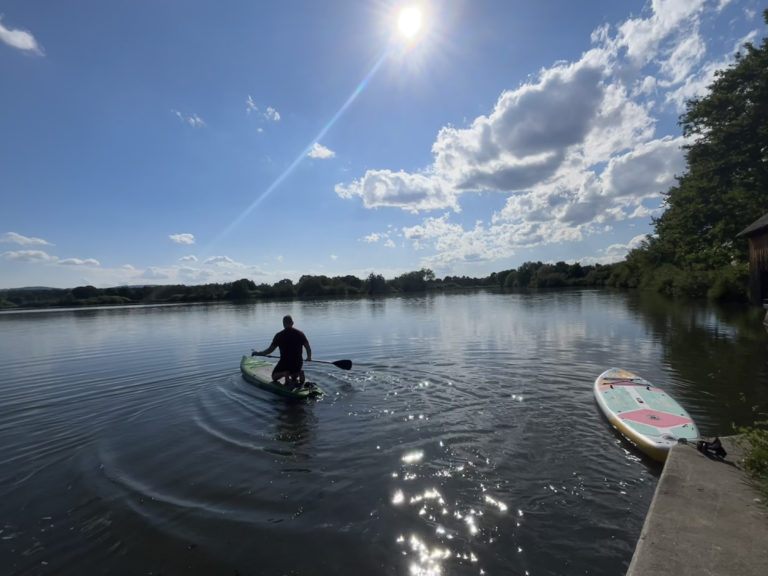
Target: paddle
343, 364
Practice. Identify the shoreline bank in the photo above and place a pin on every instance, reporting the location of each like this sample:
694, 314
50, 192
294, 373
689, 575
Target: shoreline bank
705, 518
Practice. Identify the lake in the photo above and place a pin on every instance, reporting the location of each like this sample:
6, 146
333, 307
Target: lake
465, 439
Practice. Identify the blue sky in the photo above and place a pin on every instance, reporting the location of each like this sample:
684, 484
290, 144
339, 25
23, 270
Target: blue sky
190, 142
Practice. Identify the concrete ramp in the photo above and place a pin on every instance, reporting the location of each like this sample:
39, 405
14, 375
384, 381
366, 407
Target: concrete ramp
705, 519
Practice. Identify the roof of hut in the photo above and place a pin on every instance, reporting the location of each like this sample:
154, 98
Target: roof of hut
756, 226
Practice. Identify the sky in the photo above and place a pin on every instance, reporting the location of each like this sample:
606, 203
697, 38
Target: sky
195, 142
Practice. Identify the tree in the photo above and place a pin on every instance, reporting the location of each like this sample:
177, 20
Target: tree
376, 285
526, 274
284, 288
85, 292
415, 281
726, 183
241, 289
311, 286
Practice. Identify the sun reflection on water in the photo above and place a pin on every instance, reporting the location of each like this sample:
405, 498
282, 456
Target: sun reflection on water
413, 456
453, 531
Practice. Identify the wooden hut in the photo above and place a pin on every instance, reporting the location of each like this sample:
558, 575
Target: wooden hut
757, 235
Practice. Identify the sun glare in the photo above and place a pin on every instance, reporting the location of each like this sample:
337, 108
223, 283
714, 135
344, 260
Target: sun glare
409, 22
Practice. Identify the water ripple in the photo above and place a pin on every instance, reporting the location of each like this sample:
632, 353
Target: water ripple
465, 440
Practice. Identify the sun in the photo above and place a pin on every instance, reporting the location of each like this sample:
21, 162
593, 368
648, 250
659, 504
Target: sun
409, 22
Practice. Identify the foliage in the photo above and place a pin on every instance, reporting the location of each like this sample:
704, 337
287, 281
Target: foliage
241, 290
695, 250
598, 275
725, 187
376, 285
729, 284
755, 442
413, 281
538, 275
320, 286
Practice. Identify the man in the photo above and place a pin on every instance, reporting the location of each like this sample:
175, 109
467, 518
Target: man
290, 341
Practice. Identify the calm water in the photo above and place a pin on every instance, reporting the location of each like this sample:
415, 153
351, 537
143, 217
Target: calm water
465, 440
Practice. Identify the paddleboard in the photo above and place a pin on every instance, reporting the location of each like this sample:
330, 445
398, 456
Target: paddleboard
644, 414
259, 373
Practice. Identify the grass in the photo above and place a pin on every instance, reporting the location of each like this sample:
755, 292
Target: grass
755, 440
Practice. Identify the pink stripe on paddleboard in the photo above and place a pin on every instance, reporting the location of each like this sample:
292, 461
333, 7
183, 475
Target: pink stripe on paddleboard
655, 418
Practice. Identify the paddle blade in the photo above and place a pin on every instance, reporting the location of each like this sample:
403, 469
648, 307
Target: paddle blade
343, 364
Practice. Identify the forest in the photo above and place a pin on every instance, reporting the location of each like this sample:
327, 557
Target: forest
694, 250
531, 275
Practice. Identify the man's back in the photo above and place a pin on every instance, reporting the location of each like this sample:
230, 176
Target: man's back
290, 341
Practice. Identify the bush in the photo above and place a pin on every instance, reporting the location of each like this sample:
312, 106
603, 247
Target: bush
692, 284
756, 460
663, 279
730, 284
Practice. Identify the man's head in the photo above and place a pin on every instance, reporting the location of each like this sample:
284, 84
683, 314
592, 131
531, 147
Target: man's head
287, 321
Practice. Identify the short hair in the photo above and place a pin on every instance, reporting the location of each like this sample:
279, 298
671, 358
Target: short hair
287, 320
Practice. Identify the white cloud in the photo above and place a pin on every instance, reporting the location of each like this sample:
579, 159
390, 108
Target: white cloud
454, 244
19, 39
574, 149
522, 142
182, 238
154, 273
79, 262
14, 238
321, 152
29, 256
250, 105
698, 81
224, 262
192, 120
620, 124
615, 252
190, 258
219, 260
683, 57
670, 21
383, 238
40, 256
411, 192
270, 114
195, 275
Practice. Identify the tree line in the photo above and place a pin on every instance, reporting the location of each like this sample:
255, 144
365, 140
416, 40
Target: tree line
530, 275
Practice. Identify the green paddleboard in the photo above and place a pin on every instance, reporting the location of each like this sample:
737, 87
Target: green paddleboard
259, 373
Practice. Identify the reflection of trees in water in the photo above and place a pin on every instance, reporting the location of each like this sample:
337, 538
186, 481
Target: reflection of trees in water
722, 351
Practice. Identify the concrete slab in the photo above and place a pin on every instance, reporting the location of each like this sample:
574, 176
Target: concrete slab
705, 519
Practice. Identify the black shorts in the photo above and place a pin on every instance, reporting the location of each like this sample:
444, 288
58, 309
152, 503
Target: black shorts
286, 366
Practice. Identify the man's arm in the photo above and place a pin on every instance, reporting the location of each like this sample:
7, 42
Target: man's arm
266, 352
309, 350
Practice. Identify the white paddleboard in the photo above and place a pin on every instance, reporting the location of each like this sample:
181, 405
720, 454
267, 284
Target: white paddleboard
643, 413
